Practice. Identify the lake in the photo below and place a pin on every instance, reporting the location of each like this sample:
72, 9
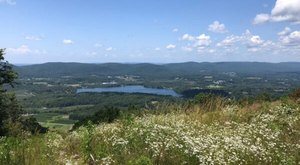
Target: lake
131, 89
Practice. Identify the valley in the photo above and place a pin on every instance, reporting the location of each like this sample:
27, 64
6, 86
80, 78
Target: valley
50, 91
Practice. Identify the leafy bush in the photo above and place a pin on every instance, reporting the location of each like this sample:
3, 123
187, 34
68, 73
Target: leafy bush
105, 115
209, 102
143, 160
31, 125
295, 96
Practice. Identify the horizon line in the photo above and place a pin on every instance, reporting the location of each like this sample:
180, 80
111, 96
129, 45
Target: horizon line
155, 63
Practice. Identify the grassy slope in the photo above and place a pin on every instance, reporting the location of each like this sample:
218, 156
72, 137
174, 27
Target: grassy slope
266, 133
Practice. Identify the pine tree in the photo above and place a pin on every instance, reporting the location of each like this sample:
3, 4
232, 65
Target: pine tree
9, 108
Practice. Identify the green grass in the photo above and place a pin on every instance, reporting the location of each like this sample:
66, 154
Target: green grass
64, 121
55, 121
260, 133
57, 126
46, 117
63, 110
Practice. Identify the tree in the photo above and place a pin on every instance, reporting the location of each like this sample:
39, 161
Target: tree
7, 75
103, 115
10, 110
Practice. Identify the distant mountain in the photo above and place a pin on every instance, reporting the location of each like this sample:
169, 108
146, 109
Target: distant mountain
154, 70
22, 64
80, 69
238, 67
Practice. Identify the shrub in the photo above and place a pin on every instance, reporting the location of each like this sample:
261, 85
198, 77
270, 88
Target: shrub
209, 102
295, 96
143, 160
105, 115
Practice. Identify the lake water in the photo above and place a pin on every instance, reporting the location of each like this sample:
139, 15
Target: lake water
131, 89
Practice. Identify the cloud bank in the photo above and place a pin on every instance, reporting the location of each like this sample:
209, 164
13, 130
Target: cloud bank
284, 11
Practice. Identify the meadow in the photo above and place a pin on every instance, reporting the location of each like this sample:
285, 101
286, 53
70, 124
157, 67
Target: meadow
212, 133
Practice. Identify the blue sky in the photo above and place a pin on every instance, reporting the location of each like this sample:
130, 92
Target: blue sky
157, 31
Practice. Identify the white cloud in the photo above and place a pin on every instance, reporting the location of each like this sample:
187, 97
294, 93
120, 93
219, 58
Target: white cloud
23, 50
199, 43
217, 27
175, 30
290, 38
187, 37
171, 46
288, 43
229, 41
157, 49
253, 43
33, 38
287, 10
203, 40
109, 49
286, 31
9, 2
68, 42
261, 18
284, 10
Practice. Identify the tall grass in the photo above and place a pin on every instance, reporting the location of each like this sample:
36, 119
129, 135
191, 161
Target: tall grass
214, 132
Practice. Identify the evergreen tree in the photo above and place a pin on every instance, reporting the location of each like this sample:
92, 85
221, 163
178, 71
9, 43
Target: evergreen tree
10, 110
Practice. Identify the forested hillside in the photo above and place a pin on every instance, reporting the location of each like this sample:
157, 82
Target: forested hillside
155, 70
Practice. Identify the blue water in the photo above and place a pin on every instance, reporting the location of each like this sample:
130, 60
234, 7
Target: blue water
131, 89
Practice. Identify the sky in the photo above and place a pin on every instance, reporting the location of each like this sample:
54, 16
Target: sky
154, 31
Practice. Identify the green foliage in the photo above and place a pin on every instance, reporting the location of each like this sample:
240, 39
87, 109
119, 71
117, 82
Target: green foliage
143, 160
203, 98
86, 145
10, 111
237, 80
149, 70
105, 115
109, 114
31, 125
7, 75
30, 150
232, 135
295, 95
210, 102
9, 108
264, 97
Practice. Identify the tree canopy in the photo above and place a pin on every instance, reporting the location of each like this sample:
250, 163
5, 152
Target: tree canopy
10, 110
7, 75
